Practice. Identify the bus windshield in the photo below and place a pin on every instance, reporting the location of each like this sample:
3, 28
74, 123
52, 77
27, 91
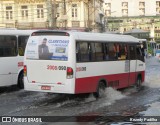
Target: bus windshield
47, 48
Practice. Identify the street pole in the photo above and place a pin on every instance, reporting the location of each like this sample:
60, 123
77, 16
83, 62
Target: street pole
88, 17
65, 22
54, 11
51, 16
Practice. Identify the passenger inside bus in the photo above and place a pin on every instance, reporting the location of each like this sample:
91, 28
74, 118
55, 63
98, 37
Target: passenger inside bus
116, 48
123, 52
120, 51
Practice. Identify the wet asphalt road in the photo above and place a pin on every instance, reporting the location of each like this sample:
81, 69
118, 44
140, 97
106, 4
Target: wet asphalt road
126, 102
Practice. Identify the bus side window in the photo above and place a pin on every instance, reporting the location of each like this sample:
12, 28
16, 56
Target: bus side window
22, 41
139, 53
8, 46
92, 55
1, 52
123, 52
1, 46
111, 51
84, 52
13, 45
132, 52
78, 57
106, 56
99, 51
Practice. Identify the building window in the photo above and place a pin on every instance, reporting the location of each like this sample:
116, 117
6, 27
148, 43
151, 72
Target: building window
142, 8
158, 11
108, 12
125, 5
57, 5
24, 11
141, 4
157, 3
142, 12
40, 11
124, 12
74, 10
9, 12
57, 15
108, 6
158, 7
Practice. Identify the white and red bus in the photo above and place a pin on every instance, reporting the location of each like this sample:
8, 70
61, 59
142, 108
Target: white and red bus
79, 62
12, 47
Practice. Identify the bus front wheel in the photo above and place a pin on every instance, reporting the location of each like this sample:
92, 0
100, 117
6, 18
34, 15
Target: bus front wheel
100, 90
138, 84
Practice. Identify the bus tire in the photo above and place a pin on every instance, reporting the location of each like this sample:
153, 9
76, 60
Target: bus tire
138, 83
21, 81
100, 90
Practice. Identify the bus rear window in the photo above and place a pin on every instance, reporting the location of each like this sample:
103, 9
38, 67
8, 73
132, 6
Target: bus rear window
50, 33
47, 48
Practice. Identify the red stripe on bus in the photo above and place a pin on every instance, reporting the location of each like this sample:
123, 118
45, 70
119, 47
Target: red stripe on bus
89, 84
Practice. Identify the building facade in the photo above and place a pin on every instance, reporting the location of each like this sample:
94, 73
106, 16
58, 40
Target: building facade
84, 15
23, 14
124, 15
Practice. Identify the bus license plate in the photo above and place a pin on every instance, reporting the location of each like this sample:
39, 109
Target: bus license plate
45, 87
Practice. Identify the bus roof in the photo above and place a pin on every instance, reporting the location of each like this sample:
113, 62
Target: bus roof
91, 36
15, 32
142, 39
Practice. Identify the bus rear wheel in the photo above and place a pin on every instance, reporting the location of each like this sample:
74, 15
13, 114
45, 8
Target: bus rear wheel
138, 84
100, 90
21, 81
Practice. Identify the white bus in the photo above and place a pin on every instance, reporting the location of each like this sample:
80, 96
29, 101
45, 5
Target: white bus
12, 47
79, 62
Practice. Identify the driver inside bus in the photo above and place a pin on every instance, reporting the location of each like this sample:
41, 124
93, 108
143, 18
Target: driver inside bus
44, 51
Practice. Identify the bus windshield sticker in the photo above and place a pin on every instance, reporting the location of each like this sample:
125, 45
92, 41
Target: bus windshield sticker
48, 48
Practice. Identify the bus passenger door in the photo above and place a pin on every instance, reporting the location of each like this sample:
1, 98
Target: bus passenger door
133, 63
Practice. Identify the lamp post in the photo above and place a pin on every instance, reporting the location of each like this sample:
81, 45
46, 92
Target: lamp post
64, 12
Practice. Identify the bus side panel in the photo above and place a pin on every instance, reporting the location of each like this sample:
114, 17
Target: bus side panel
117, 80
84, 85
132, 78
89, 84
88, 75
